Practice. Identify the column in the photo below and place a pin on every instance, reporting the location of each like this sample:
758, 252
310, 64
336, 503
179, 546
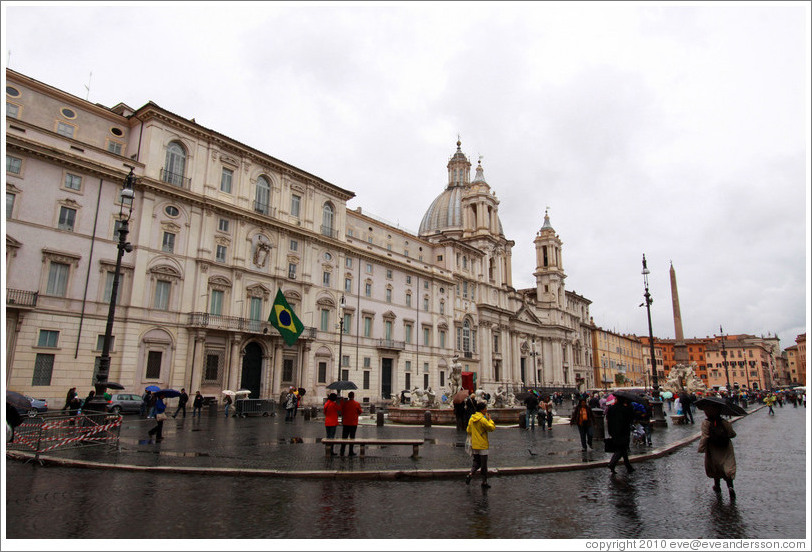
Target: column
234, 363
199, 339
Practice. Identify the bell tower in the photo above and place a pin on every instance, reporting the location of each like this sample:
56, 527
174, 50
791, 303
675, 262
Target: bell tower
549, 266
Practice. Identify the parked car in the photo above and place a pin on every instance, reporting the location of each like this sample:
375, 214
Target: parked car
124, 402
37, 405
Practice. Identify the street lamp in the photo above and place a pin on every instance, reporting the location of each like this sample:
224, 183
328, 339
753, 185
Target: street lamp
342, 304
533, 355
649, 300
125, 212
724, 360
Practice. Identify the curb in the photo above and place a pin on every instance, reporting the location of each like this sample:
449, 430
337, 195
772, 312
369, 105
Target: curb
386, 475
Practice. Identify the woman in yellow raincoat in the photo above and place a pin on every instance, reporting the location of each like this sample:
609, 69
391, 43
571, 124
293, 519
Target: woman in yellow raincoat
479, 426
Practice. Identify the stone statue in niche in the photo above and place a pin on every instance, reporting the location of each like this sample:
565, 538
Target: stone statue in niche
262, 248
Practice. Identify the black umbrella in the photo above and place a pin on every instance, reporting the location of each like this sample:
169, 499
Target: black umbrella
524, 395
17, 400
302, 391
114, 385
167, 393
341, 385
632, 397
726, 408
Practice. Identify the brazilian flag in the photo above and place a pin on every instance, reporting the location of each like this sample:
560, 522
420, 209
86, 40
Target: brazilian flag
283, 319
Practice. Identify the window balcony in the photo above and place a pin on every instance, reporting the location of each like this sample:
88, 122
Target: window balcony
17, 298
390, 345
329, 231
239, 324
175, 179
264, 209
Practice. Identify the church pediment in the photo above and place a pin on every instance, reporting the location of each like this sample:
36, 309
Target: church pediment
526, 315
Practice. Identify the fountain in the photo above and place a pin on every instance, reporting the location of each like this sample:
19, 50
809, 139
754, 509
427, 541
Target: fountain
502, 405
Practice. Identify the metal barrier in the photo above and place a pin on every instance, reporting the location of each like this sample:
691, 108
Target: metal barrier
265, 407
53, 430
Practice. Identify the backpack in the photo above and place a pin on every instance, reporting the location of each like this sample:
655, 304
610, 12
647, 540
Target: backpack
718, 434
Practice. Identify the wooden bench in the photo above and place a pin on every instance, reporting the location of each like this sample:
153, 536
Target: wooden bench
362, 443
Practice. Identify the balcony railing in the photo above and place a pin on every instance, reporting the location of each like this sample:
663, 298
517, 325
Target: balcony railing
264, 208
236, 323
390, 344
21, 298
329, 231
175, 179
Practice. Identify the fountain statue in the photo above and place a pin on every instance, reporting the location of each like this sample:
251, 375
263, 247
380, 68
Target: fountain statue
683, 377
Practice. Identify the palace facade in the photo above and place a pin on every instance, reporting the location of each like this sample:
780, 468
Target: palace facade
217, 228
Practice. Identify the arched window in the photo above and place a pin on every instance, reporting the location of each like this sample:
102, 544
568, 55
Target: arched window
175, 164
327, 216
262, 200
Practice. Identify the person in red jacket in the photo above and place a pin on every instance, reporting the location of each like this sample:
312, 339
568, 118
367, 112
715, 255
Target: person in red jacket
350, 410
331, 418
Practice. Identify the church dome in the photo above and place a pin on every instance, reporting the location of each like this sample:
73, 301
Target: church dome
445, 212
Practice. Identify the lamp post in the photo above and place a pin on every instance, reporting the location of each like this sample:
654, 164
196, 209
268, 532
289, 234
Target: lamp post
649, 300
341, 305
659, 416
533, 355
125, 212
604, 378
724, 360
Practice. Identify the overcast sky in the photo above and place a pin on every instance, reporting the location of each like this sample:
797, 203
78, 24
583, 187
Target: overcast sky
677, 131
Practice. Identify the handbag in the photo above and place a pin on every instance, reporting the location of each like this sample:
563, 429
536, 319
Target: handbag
609, 445
160, 417
468, 449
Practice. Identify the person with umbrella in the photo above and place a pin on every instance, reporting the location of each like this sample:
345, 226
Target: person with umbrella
69, 398
160, 416
228, 402
619, 420
458, 400
350, 410
720, 459
686, 400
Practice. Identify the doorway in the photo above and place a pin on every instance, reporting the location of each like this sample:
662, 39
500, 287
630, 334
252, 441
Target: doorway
386, 378
252, 369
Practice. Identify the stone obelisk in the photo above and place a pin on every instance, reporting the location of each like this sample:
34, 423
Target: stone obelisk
680, 349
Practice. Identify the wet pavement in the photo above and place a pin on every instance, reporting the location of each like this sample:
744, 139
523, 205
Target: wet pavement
667, 497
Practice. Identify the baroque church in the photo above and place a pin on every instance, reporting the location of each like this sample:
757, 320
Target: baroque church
217, 227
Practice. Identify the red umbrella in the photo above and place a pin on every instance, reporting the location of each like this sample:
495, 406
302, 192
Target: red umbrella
460, 396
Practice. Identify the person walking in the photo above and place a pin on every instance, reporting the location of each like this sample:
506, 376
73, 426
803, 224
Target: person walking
160, 416
228, 402
531, 404
87, 401
331, 418
770, 401
686, 400
290, 405
69, 398
619, 419
470, 407
146, 400
720, 459
478, 428
350, 410
197, 405
182, 400
583, 418
549, 413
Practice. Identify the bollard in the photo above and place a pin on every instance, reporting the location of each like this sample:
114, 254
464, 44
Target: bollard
597, 424
523, 420
379, 420
307, 413
372, 408
427, 418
